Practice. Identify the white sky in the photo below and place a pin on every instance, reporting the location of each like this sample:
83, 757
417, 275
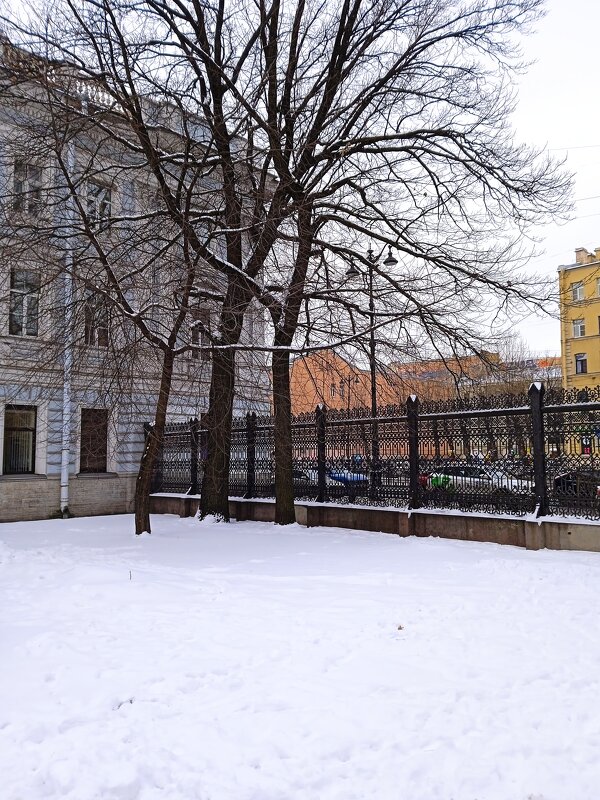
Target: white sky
559, 107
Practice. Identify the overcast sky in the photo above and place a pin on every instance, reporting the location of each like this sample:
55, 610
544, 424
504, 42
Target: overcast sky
559, 107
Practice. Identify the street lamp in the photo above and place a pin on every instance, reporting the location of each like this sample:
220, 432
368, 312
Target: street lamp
354, 272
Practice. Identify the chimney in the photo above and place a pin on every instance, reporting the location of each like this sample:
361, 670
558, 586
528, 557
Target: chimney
582, 256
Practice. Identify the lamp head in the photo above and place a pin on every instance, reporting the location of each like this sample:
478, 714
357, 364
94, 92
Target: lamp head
390, 261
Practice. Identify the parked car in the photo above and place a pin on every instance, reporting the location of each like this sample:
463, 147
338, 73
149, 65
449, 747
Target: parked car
578, 484
355, 482
392, 468
306, 482
474, 478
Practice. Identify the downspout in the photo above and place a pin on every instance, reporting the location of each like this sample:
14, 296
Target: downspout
65, 457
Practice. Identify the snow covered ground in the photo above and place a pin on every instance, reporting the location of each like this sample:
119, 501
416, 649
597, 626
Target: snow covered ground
247, 662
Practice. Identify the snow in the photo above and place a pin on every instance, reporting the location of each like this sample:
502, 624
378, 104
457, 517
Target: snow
183, 495
254, 662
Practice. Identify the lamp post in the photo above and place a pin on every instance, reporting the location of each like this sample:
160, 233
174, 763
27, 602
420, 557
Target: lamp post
353, 272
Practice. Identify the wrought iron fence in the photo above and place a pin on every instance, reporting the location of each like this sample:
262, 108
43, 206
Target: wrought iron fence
504, 454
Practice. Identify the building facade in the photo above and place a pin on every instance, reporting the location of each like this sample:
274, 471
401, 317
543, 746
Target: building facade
579, 292
331, 380
78, 383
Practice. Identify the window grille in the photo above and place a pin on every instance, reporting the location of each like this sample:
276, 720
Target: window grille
93, 440
19, 440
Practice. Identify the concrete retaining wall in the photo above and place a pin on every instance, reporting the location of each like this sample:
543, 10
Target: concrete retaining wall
548, 533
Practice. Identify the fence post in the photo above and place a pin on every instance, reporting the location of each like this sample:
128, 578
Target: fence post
202, 440
536, 399
194, 436
412, 421
156, 484
250, 454
321, 479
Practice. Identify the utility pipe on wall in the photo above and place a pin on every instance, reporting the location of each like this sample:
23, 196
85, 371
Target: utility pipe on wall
65, 457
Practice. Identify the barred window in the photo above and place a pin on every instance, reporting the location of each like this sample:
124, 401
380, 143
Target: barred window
93, 440
19, 440
24, 302
332, 390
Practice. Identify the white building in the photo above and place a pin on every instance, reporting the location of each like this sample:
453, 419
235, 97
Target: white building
78, 379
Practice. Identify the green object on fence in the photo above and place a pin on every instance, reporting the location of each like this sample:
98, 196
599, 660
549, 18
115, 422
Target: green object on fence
440, 481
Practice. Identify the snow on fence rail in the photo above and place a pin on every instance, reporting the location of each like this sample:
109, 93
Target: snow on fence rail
505, 454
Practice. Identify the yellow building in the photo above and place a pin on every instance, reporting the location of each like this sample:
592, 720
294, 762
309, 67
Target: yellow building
579, 287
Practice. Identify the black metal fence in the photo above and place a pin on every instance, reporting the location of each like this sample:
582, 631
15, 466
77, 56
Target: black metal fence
538, 453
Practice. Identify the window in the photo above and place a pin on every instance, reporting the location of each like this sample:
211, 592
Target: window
342, 389
332, 390
23, 306
200, 338
98, 202
27, 188
581, 363
19, 440
598, 286
96, 319
93, 440
150, 198
577, 291
578, 328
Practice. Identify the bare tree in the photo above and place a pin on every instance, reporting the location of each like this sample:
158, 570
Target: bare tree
516, 368
331, 124
388, 122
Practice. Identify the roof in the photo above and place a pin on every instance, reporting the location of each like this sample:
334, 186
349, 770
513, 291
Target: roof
564, 267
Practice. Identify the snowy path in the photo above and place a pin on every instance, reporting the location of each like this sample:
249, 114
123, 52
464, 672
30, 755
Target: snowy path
246, 662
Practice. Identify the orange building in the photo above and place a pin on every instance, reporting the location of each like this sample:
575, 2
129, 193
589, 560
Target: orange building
329, 379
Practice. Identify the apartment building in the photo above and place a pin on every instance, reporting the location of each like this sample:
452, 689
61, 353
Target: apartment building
579, 291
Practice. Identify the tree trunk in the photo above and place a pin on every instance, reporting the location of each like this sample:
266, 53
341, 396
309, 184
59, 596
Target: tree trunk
214, 496
284, 485
285, 328
153, 443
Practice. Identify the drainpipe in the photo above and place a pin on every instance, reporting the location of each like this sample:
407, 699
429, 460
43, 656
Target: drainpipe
65, 457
